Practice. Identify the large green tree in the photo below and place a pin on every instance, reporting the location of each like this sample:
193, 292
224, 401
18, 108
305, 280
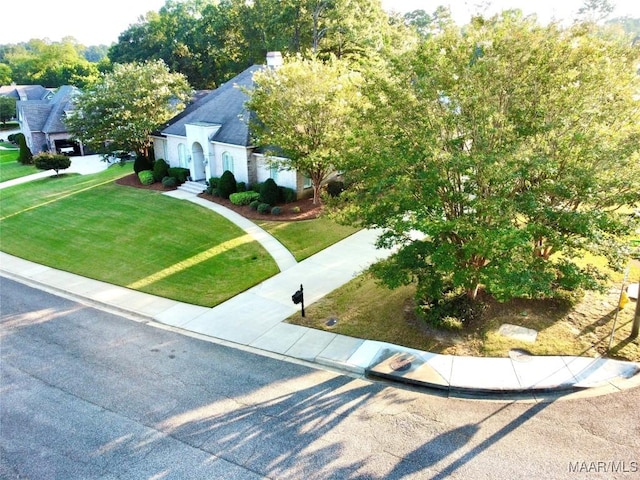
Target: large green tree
120, 111
7, 108
211, 41
301, 114
497, 156
51, 64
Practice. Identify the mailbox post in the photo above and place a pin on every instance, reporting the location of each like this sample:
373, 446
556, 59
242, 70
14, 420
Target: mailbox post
298, 298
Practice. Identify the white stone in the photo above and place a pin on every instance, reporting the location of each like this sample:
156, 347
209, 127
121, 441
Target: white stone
517, 332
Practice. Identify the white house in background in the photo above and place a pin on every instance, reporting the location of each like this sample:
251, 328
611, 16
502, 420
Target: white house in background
212, 135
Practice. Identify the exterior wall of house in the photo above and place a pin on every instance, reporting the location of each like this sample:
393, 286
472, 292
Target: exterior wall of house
230, 157
284, 178
159, 146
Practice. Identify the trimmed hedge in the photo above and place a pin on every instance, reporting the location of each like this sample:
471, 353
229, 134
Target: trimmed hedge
146, 177
264, 208
227, 184
287, 195
160, 170
51, 161
179, 173
269, 192
169, 182
213, 185
244, 198
141, 164
254, 205
25, 156
276, 211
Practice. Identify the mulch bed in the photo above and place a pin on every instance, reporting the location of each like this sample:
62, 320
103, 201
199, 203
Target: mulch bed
308, 210
133, 181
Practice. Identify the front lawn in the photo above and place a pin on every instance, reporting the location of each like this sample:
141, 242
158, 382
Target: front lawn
364, 309
9, 166
307, 237
137, 238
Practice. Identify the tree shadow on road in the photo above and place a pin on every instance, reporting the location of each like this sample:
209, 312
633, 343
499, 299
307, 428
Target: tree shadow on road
448, 443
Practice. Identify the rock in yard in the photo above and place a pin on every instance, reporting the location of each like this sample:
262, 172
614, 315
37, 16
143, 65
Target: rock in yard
517, 332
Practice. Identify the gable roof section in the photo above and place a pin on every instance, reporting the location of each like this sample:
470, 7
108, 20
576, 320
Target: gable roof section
60, 104
25, 92
224, 106
47, 116
35, 113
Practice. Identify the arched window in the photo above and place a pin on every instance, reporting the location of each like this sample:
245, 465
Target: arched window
182, 155
227, 162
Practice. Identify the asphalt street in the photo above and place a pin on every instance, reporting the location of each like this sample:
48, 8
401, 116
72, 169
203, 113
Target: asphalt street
87, 394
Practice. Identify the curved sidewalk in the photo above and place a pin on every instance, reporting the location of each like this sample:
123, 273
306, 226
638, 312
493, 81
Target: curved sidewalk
256, 317
281, 255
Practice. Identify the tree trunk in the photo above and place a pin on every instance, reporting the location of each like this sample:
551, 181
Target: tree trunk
472, 292
316, 193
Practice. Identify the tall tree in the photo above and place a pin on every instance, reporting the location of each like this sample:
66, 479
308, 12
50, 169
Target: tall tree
509, 147
51, 64
120, 110
301, 112
7, 108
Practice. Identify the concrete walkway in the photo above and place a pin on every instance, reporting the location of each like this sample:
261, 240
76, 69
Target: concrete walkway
82, 165
255, 320
283, 257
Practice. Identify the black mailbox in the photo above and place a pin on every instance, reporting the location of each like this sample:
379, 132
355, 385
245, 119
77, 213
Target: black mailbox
298, 298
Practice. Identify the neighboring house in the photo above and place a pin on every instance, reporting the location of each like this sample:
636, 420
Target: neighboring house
26, 92
212, 135
42, 122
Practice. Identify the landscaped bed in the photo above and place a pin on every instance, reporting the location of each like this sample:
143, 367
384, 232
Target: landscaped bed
364, 309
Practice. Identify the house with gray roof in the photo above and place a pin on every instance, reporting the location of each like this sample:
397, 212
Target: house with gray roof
42, 122
212, 135
26, 92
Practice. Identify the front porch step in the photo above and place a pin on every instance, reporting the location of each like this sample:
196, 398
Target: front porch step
193, 187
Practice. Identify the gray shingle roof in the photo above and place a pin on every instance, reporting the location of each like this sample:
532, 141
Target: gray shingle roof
24, 92
47, 115
223, 106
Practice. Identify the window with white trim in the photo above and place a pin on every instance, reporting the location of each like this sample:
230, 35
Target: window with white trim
227, 162
182, 155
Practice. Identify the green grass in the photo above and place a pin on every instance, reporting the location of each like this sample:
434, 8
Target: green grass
365, 309
307, 237
9, 166
138, 238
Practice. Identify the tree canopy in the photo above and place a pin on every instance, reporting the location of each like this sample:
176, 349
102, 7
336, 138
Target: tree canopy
495, 158
302, 109
51, 64
211, 41
125, 106
7, 108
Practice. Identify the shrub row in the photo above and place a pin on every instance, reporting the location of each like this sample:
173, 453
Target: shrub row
244, 198
160, 172
268, 192
146, 177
